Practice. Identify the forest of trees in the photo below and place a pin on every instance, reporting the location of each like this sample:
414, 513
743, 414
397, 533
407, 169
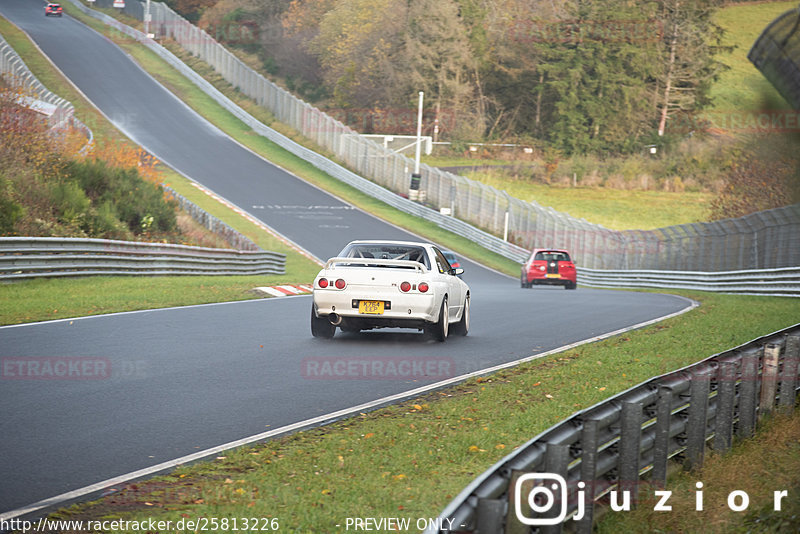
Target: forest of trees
577, 76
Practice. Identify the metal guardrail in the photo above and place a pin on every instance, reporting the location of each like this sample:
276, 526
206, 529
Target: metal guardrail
625, 443
452, 224
34, 257
768, 282
236, 239
759, 241
765, 238
18, 75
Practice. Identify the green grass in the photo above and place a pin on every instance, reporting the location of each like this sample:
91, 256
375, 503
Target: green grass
774, 455
37, 300
207, 107
41, 67
54, 298
27, 301
618, 209
742, 87
409, 460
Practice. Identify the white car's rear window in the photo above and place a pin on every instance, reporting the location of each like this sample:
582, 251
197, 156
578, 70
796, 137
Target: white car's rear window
387, 252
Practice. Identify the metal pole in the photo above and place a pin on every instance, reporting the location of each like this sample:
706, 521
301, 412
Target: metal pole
413, 190
419, 134
147, 19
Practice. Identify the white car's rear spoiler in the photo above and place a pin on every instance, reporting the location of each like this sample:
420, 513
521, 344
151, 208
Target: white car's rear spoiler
375, 262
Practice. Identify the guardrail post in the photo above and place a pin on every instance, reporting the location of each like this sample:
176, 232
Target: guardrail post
769, 378
747, 395
489, 515
556, 460
661, 445
726, 401
629, 449
696, 424
589, 444
791, 363
513, 526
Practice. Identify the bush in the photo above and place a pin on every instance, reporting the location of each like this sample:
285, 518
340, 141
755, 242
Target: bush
123, 193
10, 211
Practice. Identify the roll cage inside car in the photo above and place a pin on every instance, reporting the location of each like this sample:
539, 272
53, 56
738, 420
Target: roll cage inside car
387, 252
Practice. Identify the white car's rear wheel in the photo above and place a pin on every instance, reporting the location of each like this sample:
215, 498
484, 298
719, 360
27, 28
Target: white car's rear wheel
462, 327
439, 330
321, 326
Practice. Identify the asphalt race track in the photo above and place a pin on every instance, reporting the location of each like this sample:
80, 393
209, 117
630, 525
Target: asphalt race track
162, 384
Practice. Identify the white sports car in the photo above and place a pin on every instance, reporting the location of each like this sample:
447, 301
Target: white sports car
380, 284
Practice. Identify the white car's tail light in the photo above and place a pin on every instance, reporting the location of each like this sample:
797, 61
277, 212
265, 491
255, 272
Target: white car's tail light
423, 287
405, 287
340, 284
323, 283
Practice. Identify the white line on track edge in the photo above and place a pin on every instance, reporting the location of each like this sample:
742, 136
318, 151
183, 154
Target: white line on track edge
308, 423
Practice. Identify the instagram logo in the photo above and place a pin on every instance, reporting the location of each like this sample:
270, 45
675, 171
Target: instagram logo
547, 496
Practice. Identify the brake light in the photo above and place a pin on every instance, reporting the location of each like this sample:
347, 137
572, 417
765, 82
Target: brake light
405, 287
423, 287
323, 283
340, 284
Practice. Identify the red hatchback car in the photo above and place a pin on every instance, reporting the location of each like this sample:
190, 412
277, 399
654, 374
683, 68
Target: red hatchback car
53, 9
549, 266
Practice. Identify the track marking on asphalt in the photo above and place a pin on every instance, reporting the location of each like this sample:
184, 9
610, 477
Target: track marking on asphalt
316, 421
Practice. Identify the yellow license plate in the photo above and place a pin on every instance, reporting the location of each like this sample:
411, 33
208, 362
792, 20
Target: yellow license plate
370, 306
553, 276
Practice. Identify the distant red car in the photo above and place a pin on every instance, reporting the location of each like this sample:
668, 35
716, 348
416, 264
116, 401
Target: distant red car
549, 266
53, 9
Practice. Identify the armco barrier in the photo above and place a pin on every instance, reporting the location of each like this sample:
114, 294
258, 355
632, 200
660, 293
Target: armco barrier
457, 226
235, 238
17, 75
626, 443
35, 257
764, 240
770, 282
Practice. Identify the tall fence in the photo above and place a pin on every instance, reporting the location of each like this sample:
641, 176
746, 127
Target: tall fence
765, 240
626, 443
33, 94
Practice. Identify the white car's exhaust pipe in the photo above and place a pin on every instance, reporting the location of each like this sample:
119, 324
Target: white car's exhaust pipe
335, 319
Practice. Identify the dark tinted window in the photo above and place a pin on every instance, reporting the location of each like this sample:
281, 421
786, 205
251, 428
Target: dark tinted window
386, 252
547, 255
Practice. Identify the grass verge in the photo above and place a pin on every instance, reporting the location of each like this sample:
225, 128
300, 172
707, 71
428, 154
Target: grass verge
37, 300
617, 209
216, 114
742, 87
409, 460
759, 466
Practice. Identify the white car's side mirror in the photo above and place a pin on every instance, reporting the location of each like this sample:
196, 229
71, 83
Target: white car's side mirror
459, 271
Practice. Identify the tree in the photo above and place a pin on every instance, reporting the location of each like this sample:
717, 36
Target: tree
596, 74
438, 58
690, 40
